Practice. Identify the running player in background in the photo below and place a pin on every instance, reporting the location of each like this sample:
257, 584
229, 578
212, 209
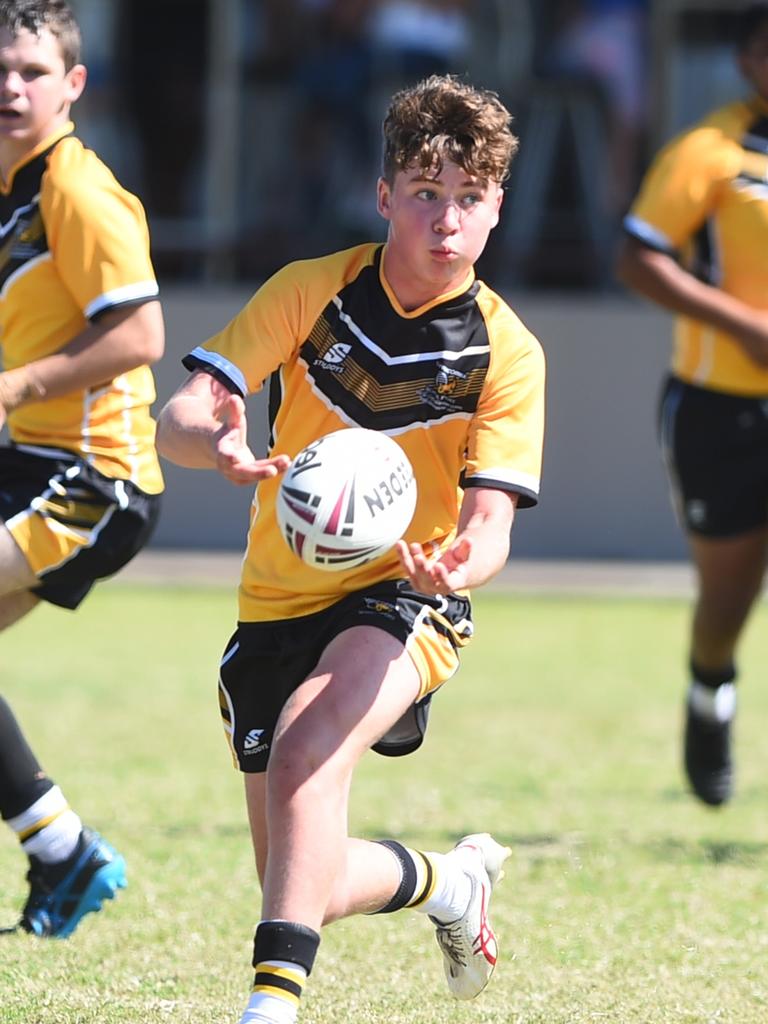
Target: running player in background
79, 483
697, 244
400, 338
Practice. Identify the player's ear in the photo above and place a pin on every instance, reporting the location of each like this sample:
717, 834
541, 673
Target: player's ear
499, 201
75, 82
383, 198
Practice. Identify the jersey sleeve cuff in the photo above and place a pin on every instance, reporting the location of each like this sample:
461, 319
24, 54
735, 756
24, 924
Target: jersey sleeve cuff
648, 235
523, 485
217, 366
130, 295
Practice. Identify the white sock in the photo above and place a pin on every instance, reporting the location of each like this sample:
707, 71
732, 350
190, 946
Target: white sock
268, 1011
49, 829
264, 1008
452, 887
717, 705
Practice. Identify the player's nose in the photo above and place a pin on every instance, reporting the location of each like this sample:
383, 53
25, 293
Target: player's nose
10, 83
448, 219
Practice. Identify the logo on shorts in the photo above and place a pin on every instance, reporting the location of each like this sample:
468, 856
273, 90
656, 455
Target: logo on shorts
252, 743
381, 607
696, 511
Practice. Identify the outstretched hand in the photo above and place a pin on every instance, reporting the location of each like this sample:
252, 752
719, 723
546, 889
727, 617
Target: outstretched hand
234, 459
440, 574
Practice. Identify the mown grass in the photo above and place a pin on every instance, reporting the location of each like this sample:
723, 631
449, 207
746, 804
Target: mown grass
624, 899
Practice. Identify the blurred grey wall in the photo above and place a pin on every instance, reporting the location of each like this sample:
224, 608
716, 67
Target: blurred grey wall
604, 493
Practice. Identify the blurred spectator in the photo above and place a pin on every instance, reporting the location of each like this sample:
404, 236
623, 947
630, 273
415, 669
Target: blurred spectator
606, 42
416, 38
356, 51
166, 100
332, 83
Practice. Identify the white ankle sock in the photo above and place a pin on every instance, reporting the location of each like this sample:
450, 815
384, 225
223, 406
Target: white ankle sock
49, 829
264, 1008
452, 887
268, 1011
717, 705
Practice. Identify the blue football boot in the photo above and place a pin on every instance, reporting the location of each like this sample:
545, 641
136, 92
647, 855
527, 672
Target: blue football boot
61, 894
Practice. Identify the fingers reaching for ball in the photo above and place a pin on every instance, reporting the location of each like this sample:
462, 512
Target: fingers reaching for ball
436, 574
238, 464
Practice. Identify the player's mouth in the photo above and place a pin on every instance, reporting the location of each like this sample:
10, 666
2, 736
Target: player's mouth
8, 114
444, 255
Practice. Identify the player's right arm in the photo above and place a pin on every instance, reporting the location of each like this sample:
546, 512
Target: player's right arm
203, 426
683, 189
659, 277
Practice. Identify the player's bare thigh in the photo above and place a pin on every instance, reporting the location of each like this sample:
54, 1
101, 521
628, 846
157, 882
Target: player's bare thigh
363, 683
356, 702
15, 571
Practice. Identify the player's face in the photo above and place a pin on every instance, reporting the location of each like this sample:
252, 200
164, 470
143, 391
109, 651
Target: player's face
36, 91
438, 227
753, 61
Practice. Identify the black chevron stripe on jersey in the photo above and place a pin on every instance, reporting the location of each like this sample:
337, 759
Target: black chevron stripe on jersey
22, 232
384, 371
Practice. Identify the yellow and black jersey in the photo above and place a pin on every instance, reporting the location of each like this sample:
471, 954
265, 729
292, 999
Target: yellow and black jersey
705, 201
458, 382
74, 244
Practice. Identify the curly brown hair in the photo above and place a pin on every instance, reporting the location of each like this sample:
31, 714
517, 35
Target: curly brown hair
35, 15
443, 118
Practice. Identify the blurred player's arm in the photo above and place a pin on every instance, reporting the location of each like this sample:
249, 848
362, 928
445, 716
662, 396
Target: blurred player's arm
480, 550
120, 340
659, 277
203, 426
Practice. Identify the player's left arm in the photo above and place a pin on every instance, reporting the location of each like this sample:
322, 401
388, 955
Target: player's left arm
479, 550
118, 341
98, 244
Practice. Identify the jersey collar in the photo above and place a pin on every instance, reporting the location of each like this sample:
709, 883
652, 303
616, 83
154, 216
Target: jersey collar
66, 129
465, 285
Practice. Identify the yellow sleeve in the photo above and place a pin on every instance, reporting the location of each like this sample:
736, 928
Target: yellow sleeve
259, 339
97, 232
682, 187
269, 329
507, 432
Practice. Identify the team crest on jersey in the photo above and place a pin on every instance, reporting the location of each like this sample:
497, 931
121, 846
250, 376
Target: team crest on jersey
333, 359
444, 391
28, 239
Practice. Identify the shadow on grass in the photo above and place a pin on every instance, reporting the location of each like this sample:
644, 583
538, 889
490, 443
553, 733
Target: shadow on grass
708, 851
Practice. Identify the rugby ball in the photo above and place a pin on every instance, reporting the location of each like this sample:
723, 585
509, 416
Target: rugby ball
346, 498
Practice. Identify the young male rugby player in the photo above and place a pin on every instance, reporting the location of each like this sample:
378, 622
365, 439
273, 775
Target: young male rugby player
79, 481
697, 244
324, 666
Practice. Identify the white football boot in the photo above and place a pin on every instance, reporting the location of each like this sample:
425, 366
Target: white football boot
468, 944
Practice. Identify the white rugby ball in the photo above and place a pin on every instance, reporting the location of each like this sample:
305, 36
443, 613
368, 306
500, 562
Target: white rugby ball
346, 498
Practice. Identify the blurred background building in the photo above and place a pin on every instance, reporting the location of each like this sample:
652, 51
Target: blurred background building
250, 128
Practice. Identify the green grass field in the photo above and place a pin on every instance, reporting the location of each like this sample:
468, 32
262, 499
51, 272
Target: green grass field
624, 901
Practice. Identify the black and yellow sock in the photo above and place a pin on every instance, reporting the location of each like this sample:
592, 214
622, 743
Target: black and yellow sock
417, 877
283, 955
